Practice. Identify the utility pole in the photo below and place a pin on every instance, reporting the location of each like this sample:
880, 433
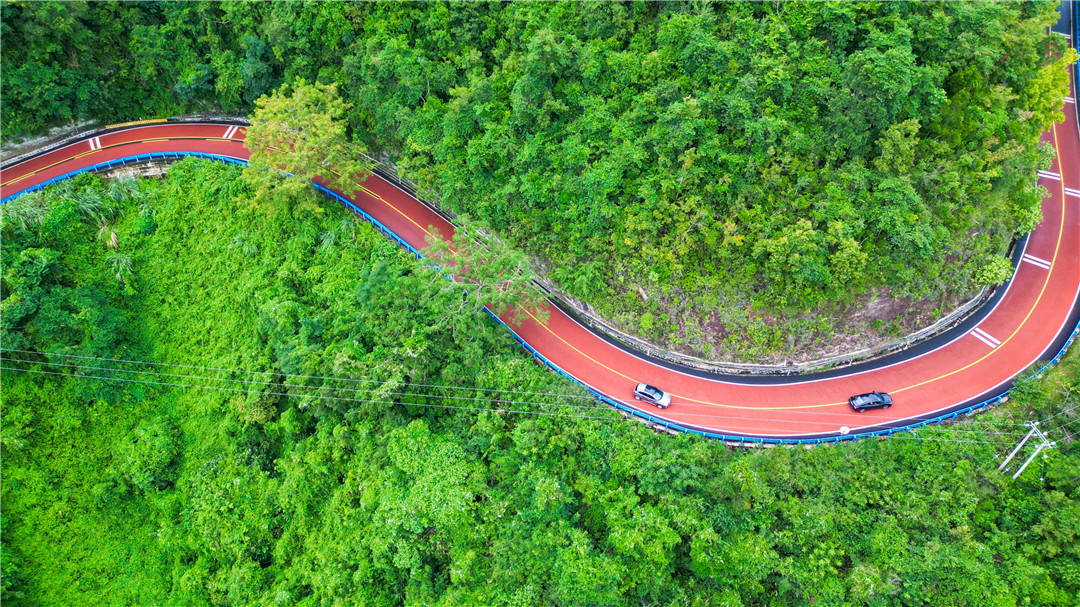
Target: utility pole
1043, 444
1018, 447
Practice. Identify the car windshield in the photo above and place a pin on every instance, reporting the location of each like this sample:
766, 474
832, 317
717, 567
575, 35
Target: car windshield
652, 392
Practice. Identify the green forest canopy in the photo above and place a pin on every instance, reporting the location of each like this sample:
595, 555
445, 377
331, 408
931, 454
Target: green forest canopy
712, 156
806, 149
291, 486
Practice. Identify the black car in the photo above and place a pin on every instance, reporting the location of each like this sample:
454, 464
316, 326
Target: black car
870, 400
652, 394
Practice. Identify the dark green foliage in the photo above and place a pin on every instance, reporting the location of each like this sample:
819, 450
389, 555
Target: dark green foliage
736, 154
718, 157
798, 153
269, 487
74, 304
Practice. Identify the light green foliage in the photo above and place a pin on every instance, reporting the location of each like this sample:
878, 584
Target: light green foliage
147, 455
324, 491
728, 153
41, 300
787, 157
994, 271
496, 275
299, 131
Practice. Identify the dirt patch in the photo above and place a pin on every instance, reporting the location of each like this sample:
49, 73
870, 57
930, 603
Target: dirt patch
741, 334
20, 145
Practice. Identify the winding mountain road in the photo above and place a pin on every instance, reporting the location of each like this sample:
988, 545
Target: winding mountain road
1029, 320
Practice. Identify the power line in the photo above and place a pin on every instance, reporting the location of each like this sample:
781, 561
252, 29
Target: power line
437, 406
818, 414
291, 386
283, 374
593, 407
1062, 412
438, 396
337, 398
1063, 424
1068, 423
1060, 426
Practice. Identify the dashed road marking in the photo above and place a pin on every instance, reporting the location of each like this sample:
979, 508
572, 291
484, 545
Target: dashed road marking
95, 143
981, 335
1070, 100
1072, 192
985, 337
1050, 175
229, 132
1036, 261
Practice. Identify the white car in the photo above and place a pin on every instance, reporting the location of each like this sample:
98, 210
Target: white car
652, 395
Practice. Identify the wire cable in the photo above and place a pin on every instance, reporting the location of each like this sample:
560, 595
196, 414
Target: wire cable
298, 376
1061, 425
439, 396
291, 386
336, 398
1062, 412
820, 415
620, 418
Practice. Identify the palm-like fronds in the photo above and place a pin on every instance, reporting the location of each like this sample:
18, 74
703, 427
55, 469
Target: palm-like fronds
122, 264
327, 240
125, 189
25, 211
342, 232
89, 203
245, 243
106, 234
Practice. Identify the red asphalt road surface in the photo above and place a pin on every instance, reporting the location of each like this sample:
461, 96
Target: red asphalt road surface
1015, 334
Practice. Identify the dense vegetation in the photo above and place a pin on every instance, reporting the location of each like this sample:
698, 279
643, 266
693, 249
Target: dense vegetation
702, 166
326, 421
204, 484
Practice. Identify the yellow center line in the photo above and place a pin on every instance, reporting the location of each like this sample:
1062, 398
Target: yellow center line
376, 197
111, 145
702, 402
389, 204
379, 198
1046, 283
1042, 291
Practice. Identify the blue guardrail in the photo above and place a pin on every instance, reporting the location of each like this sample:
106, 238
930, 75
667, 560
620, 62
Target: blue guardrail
730, 438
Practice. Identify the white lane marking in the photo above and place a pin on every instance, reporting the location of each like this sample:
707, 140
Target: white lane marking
1070, 100
230, 131
985, 337
95, 143
732, 381
981, 338
1072, 192
772, 434
1050, 175
1035, 261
